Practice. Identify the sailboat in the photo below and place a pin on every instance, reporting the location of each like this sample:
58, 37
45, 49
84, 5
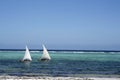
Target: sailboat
45, 55
27, 56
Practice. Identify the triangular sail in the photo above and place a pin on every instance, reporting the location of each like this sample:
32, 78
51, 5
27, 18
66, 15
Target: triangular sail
45, 54
27, 55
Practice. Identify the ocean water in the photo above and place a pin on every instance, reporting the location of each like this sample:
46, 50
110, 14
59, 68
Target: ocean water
63, 63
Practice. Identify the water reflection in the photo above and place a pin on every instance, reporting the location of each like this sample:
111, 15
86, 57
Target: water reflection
27, 64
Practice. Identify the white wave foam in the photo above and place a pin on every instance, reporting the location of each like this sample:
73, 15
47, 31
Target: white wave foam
34, 51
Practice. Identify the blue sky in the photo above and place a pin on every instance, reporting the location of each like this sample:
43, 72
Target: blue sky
60, 24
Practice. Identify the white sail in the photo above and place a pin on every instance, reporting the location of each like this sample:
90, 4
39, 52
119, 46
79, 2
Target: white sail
27, 55
45, 54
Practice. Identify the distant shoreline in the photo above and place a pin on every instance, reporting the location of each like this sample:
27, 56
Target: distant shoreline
62, 50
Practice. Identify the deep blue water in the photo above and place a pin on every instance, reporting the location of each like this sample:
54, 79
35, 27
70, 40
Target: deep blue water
63, 63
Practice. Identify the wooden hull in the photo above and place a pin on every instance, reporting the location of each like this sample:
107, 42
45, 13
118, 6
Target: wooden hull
26, 60
44, 59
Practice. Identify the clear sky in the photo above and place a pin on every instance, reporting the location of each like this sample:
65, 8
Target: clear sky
60, 24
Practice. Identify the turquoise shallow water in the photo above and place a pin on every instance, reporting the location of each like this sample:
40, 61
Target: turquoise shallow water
63, 63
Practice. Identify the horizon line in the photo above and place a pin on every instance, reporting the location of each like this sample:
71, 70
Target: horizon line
95, 50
